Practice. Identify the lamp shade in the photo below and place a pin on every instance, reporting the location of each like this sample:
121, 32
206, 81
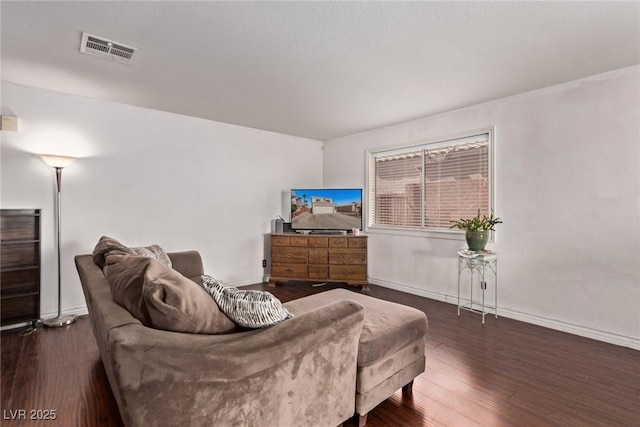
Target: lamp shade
57, 161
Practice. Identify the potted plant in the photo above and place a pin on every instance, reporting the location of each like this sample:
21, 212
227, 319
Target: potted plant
477, 229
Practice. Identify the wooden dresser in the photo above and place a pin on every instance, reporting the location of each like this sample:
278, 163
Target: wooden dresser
319, 258
20, 266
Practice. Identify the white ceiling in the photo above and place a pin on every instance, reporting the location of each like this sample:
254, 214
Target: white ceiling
315, 69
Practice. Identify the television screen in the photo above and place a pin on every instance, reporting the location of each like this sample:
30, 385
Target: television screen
336, 209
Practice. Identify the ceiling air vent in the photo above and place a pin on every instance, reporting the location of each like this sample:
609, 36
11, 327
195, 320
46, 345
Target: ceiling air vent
107, 49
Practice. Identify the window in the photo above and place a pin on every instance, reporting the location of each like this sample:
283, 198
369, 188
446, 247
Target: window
427, 185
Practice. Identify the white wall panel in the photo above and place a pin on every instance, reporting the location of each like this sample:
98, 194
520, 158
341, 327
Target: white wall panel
568, 190
145, 177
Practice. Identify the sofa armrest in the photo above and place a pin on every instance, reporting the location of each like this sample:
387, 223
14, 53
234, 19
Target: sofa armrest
187, 263
299, 372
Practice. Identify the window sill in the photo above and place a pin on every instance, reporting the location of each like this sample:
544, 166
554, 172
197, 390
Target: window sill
421, 233
415, 232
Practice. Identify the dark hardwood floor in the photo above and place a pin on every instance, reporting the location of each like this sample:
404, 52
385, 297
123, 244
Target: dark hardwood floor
505, 373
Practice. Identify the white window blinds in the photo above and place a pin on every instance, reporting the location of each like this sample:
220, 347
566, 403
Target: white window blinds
431, 184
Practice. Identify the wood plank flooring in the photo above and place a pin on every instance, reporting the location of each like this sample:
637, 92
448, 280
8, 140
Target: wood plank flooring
505, 373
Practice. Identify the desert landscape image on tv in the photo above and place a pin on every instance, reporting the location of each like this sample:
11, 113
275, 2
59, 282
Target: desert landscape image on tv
326, 209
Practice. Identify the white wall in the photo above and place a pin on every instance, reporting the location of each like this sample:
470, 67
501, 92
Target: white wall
147, 177
568, 190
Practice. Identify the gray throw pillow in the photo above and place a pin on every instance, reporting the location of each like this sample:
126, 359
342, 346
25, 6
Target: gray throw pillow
154, 252
247, 308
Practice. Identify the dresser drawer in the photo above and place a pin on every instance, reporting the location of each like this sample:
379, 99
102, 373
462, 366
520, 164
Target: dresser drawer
279, 240
357, 242
318, 256
337, 242
318, 272
289, 255
291, 240
318, 242
300, 241
293, 271
347, 256
348, 272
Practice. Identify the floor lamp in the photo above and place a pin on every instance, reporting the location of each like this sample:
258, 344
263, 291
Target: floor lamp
58, 163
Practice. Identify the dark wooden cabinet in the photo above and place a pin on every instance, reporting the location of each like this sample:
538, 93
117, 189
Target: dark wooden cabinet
19, 266
340, 258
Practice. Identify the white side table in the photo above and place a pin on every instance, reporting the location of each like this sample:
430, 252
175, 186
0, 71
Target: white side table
478, 262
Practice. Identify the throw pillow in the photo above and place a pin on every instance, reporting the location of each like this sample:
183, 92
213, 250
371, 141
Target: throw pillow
125, 275
176, 303
153, 251
247, 308
161, 298
106, 245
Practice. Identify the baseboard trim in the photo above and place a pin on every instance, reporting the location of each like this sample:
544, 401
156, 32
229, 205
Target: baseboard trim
77, 311
582, 331
243, 282
74, 311
15, 326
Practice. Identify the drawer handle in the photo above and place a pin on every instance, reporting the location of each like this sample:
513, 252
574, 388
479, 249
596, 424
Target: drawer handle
289, 270
347, 258
346, 272
287, 256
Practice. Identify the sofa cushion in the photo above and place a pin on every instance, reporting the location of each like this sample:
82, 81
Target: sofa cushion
248, 308
388, 326
162, 298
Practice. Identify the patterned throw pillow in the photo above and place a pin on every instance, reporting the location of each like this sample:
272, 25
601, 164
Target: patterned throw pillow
155, 252
247, 308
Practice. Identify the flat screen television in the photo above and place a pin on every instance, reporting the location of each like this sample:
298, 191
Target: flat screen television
326, 209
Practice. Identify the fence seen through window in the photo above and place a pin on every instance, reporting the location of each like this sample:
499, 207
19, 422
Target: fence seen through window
427, 186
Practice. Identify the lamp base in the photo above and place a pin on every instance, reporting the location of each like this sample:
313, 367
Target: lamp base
60, 321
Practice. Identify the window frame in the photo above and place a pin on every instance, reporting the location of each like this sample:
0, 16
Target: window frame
424, 231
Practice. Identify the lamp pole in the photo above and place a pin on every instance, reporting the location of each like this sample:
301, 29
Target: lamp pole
58, 163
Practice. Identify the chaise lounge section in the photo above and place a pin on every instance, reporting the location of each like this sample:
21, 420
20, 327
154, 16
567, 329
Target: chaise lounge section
300, 372
342, 352
391, 348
